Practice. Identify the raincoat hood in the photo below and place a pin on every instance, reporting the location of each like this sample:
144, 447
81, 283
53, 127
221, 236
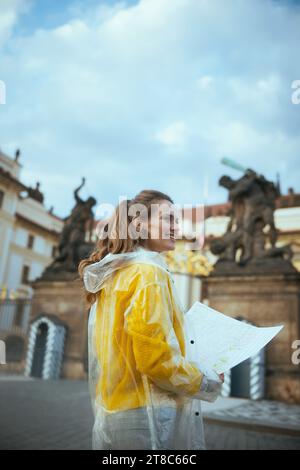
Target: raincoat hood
95, 275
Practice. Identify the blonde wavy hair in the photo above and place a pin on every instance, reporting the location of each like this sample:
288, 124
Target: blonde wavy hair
113, 242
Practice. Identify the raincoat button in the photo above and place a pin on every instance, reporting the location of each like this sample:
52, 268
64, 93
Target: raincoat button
192, 342
197, 413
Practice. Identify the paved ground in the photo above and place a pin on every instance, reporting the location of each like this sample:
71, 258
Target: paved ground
275, 416
36, 414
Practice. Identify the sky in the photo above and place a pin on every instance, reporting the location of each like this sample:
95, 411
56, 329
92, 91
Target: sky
149, 94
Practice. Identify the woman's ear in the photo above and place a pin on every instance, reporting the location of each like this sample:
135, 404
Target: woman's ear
135, 228
141, 228
136, 224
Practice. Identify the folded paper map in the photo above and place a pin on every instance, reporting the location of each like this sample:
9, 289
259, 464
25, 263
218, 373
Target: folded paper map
217, 342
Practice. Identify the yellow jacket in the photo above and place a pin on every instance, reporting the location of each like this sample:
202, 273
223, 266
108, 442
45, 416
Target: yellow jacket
142, 386
139, 335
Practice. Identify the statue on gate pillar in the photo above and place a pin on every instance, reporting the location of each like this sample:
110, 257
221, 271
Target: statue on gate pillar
76, 238
251, 234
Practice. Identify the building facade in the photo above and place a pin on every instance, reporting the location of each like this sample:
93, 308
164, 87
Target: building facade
29, 233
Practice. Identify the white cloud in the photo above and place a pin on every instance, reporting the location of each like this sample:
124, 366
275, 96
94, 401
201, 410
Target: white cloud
10, 10
173, 136
205, 82
114, 91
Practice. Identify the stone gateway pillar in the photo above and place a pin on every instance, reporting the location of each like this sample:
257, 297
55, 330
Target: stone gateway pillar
256, 280
64, 302
59, 298
265, 300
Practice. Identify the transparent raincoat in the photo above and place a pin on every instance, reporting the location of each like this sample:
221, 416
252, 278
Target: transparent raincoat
145, 393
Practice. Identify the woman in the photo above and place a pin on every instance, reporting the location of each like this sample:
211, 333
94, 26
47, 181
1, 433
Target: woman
145, 393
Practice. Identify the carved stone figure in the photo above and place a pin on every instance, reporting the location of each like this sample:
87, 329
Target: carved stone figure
251, 234
73, 245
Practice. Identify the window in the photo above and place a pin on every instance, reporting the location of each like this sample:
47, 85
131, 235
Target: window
15, 348
30, 242
1, 198
19, 313
53, 251
25, 274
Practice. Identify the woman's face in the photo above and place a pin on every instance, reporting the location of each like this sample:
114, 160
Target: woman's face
163, 227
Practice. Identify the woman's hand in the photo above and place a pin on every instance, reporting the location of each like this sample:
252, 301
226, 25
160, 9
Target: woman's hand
211, 389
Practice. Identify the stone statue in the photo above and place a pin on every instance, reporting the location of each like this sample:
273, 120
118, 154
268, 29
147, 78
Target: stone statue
73, 245
35, 193
251, 227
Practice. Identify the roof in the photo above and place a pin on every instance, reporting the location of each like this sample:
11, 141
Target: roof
8, 176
